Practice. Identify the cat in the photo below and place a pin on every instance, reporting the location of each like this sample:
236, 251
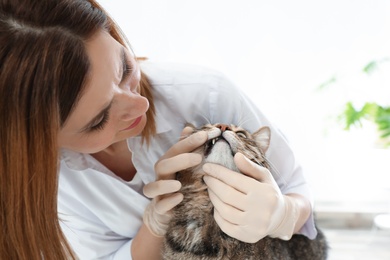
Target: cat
193, 233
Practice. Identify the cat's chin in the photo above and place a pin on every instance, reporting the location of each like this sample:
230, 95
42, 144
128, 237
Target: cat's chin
221, 154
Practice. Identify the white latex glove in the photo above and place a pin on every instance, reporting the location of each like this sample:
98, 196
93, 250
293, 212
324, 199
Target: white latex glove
164, 190
249, 208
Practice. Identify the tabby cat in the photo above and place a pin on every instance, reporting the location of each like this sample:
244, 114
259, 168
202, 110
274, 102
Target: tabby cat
193, 233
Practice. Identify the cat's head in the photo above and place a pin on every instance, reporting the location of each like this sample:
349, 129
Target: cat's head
224, 141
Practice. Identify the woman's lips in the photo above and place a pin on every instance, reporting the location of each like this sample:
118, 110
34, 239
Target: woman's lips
134, 124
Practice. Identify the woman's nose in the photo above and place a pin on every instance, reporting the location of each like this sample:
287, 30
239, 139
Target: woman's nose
132, 105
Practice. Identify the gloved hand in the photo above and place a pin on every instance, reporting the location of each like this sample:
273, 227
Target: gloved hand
164, 190
249, 208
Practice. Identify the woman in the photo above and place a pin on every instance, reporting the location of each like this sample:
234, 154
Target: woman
72, 91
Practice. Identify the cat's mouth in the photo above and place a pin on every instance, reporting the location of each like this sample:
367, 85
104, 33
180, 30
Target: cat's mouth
218, 150
212, 142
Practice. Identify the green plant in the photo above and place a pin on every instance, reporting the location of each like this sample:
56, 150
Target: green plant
370, 111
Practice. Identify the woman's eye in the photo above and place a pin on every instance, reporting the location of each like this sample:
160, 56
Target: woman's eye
100, 125
127, 69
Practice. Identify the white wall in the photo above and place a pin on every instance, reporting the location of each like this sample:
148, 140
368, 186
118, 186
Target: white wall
280, 52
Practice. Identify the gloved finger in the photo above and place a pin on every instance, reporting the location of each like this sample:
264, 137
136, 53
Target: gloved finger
230, 229
252, 169
237, 231
186, 145
227, 212
225, 193
169, 202
166, 168
161, 187
187, 131
234, 179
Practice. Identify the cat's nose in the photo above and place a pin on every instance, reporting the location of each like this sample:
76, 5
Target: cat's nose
223, 127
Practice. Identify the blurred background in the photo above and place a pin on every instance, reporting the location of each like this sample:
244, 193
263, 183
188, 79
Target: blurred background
319, 69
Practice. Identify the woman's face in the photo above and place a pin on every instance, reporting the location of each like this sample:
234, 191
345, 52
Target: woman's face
110, 108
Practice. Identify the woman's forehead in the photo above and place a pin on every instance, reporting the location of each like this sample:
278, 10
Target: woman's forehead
104, 53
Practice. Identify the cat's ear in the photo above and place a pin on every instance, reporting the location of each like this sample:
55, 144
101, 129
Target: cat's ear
263, 137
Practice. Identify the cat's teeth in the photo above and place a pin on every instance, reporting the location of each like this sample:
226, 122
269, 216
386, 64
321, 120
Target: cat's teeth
213, 141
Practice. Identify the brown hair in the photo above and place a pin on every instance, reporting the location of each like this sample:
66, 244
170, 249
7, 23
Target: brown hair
43, 66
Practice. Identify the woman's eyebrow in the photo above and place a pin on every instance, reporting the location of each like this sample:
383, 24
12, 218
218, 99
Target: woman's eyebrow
126, 66
96, 118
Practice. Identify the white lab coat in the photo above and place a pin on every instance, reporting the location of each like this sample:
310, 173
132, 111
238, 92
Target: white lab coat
101, 213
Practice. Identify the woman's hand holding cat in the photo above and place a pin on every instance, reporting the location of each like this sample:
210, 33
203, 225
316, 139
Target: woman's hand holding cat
249, 205
163, 191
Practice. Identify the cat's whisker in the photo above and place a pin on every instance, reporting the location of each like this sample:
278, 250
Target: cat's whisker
242, 116
208, 121
198, 117
275, 172
244, 119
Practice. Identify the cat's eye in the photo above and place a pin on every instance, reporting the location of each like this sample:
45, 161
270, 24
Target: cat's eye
241, 134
